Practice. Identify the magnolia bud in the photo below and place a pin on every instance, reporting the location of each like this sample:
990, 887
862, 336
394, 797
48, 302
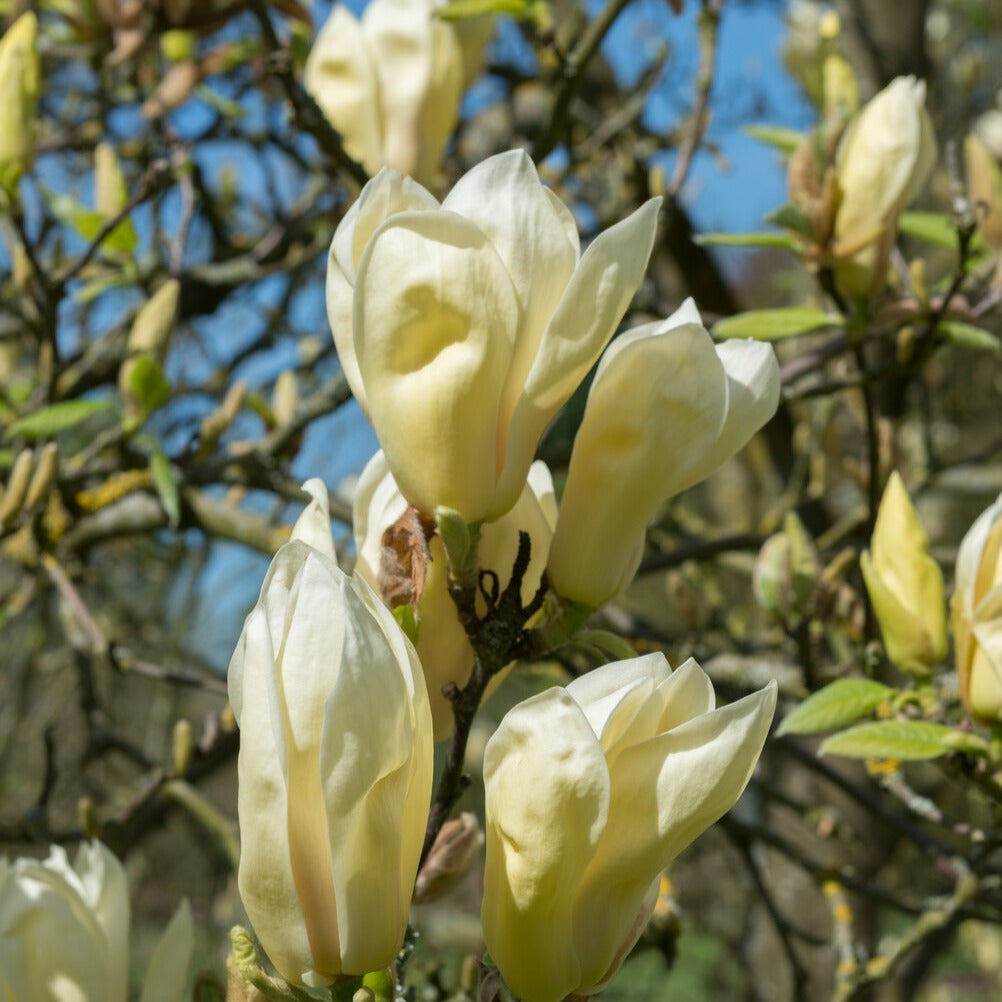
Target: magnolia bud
786, 572
450, 858
883, 162
905, 584
19, 74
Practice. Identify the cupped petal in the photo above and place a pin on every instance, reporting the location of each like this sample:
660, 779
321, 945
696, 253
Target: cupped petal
167, 974
313, 527
39, 908
684, 696
594, 301
546, 745
653, 413
341, 75
385, 195
753, 396
376, 768
664, 793
266, 877
106, 892
505, 198
434, 326
377, 504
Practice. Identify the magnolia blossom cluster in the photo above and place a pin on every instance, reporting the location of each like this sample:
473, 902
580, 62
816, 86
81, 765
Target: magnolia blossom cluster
463, 327
591, 790
64, 932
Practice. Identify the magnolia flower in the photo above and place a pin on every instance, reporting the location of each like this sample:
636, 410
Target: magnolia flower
667, 407
19, 73
591, 791
977, 615
883, 162
905, 584
335, 767
464, 327
392, 83
64, 932
405, 570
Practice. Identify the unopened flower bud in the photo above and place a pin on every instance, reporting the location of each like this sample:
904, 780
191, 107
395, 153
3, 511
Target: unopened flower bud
182, 746
19, 74
450, 858
905, 584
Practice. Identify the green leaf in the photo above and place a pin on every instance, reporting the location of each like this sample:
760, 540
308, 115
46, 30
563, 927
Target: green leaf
88, 223
404, 615
166, 485
931, 227
747, 240
789, 217
907, 740
836, 705
521, 10
148, 384
774, 325
609, 643
126, 274
51, 420
968, 335
783, 139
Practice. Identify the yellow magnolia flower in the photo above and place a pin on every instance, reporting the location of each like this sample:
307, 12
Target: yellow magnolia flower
391, 83
667, 407
977, 615
335, 767
463, 327
442, 645
591, 791
64, 932
19, 72
905, 584
883, 162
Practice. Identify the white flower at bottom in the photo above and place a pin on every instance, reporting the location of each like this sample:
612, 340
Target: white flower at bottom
591, 791
64, 932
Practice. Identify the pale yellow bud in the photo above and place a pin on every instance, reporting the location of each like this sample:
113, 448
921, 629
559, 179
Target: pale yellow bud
666, 408
977, 615
110, 193
905, 584
883, 162
19, 74
391, 83
335, 766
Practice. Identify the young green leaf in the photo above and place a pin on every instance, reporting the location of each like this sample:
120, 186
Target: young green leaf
774, 325
836, 705
908, 740
783, 139
968, 335
50, 421
166, 485
747, 240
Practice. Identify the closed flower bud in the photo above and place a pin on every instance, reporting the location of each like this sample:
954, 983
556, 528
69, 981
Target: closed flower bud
450, 858
905, 584
977, 615
335, 765
391, 83
464, 327
667, 407
19, 73
591, 791
64, 932
984, 189
883, 162
407, 567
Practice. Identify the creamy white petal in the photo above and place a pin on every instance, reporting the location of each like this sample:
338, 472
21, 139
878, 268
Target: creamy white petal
435, 321
545, 745
167, 975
